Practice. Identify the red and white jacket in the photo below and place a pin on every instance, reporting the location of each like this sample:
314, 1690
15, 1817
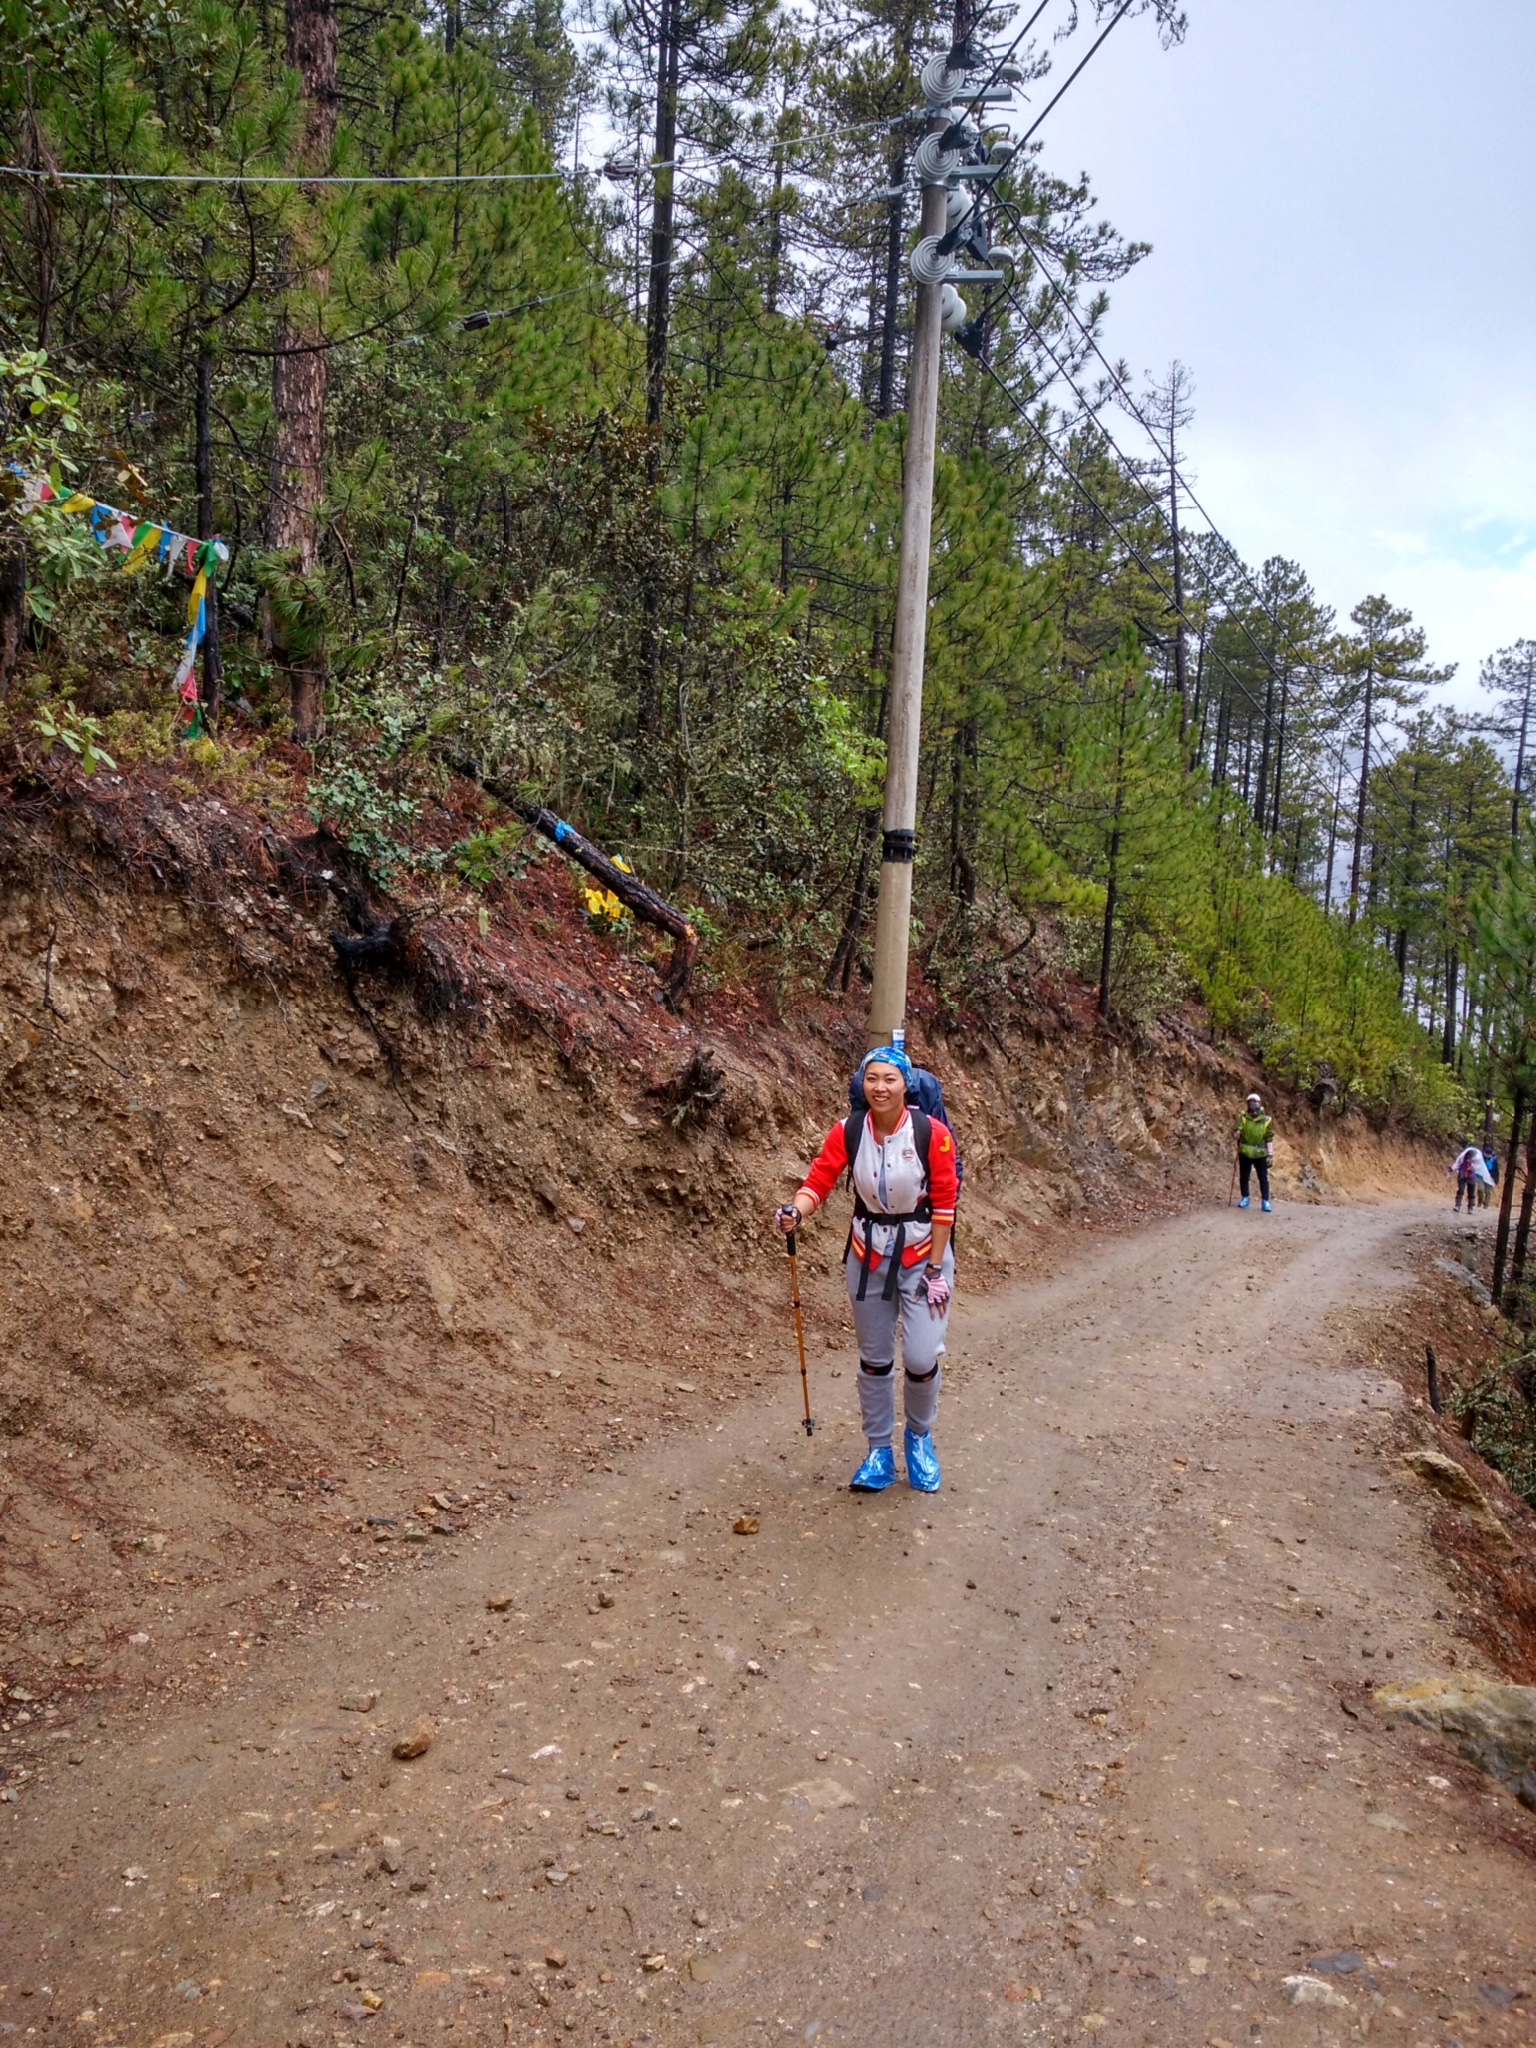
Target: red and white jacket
888, 1174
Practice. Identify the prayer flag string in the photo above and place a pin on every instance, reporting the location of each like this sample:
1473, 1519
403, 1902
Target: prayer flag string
143, 542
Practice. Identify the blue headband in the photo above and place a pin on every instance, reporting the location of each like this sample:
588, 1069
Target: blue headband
888, 1056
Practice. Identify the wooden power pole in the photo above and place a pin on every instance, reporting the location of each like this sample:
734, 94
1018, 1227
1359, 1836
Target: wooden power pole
898, 838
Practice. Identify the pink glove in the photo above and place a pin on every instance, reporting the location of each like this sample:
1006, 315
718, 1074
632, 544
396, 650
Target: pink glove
937, 1289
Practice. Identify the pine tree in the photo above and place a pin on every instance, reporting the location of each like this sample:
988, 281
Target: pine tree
1384, 662
1510, 677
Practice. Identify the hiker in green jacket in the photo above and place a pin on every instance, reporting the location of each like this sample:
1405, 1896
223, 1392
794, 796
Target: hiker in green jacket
1255, 1149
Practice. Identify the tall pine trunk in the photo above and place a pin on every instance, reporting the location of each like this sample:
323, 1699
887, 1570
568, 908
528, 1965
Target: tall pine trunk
1333, 836
658, 309
658, 336
890, 312
296, 475
212, 652
1365, 788
1527, 1199
1507, 1195
1518, 791
1180, 651
13, 604
1112, 879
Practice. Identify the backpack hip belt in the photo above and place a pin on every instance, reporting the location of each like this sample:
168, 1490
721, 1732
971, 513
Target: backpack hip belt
862, 1213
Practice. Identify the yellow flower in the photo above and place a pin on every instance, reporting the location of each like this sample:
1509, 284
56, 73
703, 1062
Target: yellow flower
602, 906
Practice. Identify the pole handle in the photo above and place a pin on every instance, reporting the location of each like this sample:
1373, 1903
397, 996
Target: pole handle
789, 1243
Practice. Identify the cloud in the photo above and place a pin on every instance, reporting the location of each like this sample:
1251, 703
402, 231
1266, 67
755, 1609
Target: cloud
1338, 201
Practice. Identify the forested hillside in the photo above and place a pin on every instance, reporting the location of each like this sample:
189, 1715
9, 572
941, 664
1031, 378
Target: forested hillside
543, 375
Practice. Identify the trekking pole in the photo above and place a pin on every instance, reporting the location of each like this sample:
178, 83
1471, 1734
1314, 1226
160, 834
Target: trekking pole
794, 1294
1232, 1190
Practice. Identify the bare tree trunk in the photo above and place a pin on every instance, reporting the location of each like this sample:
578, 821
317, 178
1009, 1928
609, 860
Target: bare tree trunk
1333, 836
840, 967
1201, 707
1111, 903
13, 606
658, 332
1180, 653
890, 314
1507, 1194
1223, 735
213, 658
1266, 747
840, 970
1285, 706
962, 869
1527, 1199
775, 233
1365, 788
1525, 719
658, 311
1112, 880
296, 478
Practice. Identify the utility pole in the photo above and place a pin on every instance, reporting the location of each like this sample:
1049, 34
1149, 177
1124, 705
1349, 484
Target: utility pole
898, 835
947, 147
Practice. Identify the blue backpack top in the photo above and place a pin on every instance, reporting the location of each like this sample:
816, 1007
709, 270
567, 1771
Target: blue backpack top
924, 1092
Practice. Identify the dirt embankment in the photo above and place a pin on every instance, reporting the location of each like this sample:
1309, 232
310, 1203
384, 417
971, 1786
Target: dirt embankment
265, 1235
1489, 1553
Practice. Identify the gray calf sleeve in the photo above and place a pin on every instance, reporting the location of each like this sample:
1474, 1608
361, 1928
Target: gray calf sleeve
877, 1402
923, 1400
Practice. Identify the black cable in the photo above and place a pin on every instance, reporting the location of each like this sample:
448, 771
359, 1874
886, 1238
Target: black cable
1125, 8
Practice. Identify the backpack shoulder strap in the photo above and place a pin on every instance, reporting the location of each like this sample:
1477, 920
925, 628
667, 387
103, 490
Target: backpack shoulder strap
922, 1131
853, 1138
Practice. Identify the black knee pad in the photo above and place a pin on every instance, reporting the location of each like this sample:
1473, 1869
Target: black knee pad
921, 1379
877, 1372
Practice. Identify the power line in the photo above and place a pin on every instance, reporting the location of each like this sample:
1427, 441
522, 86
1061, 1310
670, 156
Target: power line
49, 176
1070, 81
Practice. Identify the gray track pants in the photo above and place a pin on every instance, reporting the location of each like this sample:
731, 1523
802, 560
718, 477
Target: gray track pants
922, 1348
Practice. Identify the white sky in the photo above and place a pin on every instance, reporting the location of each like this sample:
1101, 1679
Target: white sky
1341, 198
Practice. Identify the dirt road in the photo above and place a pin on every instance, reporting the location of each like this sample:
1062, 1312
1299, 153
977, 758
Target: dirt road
1077, 1749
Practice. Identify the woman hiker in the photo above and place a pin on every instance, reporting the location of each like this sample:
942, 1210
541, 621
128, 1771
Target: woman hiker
899, 1262
1255, 1149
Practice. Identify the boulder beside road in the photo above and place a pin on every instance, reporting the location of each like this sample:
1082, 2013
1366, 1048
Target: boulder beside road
1491, 1723
1456, 1484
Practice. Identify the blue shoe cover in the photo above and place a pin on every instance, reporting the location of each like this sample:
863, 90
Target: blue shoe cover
1243, 1203
877, 1472
1268, 1206
922, 1462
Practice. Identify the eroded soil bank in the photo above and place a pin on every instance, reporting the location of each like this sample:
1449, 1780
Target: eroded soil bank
279, 1252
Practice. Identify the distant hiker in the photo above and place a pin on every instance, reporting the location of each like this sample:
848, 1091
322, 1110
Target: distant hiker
898, 1261
1486, 1187
1255, 1149
1471, 1172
